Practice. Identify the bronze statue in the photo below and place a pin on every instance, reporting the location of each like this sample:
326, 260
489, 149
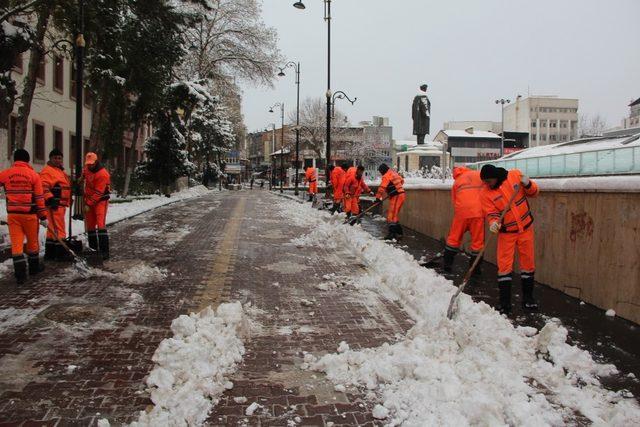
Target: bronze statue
421, 114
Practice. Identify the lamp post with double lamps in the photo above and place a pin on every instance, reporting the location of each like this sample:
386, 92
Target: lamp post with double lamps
296, 67
281, 105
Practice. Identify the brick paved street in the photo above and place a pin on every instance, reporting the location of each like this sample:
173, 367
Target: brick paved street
73, 351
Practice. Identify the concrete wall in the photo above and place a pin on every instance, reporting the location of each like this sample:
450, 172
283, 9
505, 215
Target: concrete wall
587, 243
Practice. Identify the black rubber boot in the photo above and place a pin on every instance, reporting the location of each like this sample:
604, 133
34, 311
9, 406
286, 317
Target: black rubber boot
35, 266
311, 197
103, 237
399, 232
20, 269
92, 237
392, 232
528, 302
62, 254
505, 297
478, 269
50, 250
447, 259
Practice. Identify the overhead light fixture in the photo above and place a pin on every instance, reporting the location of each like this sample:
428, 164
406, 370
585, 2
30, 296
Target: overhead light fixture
299, 5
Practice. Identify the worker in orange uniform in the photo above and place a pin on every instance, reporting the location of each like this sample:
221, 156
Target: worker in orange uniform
468, 216
353, 187
391, 185
337, 180
97, 188
57, 198
311, 178
25, 206
515, 231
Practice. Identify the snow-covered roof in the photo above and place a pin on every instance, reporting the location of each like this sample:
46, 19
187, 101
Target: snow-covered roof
454, 133
431, 150
577, 146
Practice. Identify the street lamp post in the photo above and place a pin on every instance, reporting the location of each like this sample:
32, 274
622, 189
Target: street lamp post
502, 102
281, 105
80, 43
327, 18
296, 67
340, 95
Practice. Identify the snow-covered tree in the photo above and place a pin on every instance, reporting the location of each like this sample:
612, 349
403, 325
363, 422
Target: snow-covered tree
166, 156
313, 125
591, 125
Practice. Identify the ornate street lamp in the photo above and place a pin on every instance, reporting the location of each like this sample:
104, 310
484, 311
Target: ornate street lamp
296, 67
281, 105
502, 102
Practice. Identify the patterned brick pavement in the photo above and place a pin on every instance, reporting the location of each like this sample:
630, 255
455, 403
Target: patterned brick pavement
73, 351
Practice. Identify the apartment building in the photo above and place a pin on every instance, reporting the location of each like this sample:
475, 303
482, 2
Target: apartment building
547, 119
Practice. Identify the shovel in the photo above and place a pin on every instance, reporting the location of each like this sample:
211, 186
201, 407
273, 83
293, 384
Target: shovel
79, 263
453, 304
355, 219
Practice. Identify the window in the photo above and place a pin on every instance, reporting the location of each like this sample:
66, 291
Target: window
17, 63
58, 73
563, 137
58, 140
574, 124
534, 136
563, 124
38, 142
543, 123
553, 138
40, 72
533, 124
543, 137
553, 124
13, 121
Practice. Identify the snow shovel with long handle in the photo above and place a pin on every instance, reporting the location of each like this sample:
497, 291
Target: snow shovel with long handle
79, 263
453, 304
352, 221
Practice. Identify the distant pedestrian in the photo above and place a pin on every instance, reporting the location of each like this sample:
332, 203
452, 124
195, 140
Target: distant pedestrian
251, 183
262, 184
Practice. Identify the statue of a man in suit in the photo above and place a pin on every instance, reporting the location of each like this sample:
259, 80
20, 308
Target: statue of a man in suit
421, 114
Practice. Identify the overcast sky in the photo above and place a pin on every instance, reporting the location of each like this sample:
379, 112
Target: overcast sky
470, 52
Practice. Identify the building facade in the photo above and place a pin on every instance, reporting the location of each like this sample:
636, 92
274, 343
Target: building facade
469, 145
484, 125
547, 119
629, 125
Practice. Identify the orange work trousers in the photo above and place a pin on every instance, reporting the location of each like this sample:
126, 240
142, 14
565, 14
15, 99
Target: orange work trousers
313, 187
459, 226
56, 223
96, 217
395, 204
352, 204
507, 245
21, 226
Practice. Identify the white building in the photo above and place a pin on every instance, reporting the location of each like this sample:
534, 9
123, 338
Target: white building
411, 157
547, 119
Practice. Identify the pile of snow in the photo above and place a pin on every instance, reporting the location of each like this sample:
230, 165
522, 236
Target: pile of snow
15, 317
475, 369
140, 274
192, 367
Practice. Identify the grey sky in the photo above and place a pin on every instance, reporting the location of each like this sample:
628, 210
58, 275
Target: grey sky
470, 52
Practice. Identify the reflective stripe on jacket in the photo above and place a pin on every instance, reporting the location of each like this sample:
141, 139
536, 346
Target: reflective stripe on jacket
23, 189
518, 218
53, 176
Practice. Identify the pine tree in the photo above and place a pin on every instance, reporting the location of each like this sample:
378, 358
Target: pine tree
166, 155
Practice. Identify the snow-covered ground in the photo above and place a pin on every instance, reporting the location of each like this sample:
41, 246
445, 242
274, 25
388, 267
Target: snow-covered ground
477, 369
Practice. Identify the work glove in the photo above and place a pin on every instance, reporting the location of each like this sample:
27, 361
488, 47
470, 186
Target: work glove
44, 222
494, 227
371, 193
525, 180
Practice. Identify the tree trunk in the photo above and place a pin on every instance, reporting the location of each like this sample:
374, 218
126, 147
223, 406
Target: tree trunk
29, 83
132, 159
98, 112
